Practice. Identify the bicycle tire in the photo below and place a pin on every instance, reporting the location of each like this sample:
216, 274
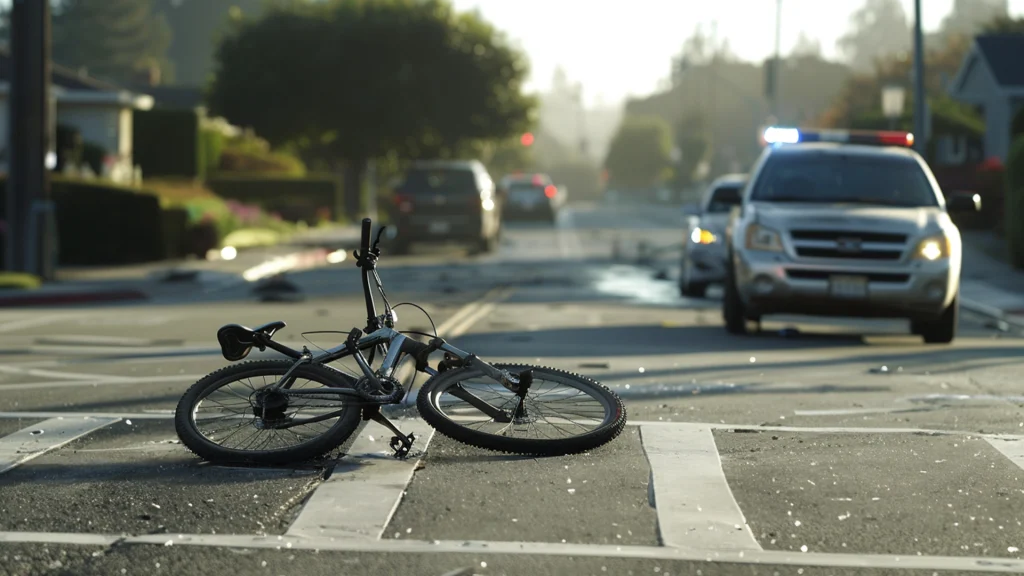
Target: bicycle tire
611, 426
193, 439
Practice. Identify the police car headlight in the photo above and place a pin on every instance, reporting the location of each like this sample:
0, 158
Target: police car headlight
763, 238
933, 248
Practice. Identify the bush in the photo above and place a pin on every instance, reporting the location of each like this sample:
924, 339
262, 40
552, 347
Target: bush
167, 143
1017, 128
1014, 210
104, 224
252, 155
294, 199
93, 155
211, 218
70, 147
211, 147
236, 161
101, 224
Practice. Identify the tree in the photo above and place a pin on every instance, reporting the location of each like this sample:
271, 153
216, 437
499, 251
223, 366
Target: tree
807, 47
352, 80
699, 49
640, 155
968, 17
879, 29
694, 143
112, 39
196, 25
1005, 25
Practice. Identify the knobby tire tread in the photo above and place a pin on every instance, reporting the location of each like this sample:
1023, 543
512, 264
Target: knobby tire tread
312, 449
532, 447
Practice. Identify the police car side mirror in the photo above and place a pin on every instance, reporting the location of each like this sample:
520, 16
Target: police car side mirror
963, 202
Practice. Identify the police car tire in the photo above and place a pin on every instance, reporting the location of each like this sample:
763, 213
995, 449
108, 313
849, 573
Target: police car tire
943, 329
732, 310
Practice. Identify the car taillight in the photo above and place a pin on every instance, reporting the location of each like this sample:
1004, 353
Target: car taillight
550, 191
404, 202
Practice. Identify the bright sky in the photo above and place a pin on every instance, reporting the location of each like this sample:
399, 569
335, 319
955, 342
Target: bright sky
617, 48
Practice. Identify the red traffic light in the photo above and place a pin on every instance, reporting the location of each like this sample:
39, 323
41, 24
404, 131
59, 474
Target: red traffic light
526, 139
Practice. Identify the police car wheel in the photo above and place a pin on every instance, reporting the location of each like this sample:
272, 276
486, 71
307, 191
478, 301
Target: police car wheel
942, 330
693, 289
733, 314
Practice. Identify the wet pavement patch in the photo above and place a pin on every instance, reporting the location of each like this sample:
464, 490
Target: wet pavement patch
902, 494
467, 493
135, 478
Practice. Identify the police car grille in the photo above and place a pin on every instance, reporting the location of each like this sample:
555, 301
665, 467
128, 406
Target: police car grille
848, 244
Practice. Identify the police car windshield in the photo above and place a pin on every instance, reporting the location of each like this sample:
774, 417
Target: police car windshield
819, 177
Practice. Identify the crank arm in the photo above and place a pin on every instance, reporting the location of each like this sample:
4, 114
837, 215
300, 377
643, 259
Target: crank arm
400, 443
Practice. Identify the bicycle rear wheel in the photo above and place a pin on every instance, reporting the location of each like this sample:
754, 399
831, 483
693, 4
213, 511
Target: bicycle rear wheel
247, 423
565, 413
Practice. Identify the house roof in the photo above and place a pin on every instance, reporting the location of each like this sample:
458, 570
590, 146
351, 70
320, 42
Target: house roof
1003, 54
178, 97
77, 87
61, 76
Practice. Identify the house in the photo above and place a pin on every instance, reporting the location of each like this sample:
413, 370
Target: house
101, 112
991, 78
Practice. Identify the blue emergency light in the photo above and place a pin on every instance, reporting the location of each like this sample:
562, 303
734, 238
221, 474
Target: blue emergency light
776, 135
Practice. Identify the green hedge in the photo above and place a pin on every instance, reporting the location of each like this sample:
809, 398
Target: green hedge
1014, 224
168, 143
295, 199
101, 224
1017, 128
211, 146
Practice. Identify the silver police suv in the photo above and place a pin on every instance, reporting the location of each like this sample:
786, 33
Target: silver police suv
845, 223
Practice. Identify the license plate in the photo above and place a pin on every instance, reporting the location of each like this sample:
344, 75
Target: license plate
849, 286
439, 227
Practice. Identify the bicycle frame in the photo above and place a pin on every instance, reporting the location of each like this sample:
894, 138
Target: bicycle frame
392, 343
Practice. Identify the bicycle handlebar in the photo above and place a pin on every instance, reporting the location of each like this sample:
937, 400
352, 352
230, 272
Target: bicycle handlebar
364, 245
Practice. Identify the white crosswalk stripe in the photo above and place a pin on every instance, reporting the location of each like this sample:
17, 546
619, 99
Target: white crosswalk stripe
361, 495
695, 507
35, 440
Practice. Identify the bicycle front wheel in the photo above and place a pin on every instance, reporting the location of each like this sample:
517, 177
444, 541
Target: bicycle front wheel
562, 413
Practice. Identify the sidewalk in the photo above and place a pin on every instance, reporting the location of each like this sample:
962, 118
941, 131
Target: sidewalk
311, 249
989, 286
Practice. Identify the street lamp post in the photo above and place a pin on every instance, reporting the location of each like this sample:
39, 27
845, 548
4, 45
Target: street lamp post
919, 95
893, 98
776, 62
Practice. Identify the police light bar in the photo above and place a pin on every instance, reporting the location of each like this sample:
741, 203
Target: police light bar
776, 135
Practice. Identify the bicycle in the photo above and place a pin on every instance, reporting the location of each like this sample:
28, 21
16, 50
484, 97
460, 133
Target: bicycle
341, 400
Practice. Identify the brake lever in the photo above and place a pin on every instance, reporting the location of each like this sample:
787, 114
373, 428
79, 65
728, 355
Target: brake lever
380, 232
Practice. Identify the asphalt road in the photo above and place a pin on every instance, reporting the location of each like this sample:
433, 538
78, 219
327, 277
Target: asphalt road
815, 447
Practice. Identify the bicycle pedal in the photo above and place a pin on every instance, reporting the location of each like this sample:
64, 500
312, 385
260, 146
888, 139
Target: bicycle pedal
400, 447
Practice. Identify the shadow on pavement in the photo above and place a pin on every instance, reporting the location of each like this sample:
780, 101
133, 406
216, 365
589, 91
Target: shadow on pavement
640, 340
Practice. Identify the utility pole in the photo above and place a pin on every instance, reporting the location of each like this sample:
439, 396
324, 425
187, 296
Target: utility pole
29, 238
777, 61
581, 120
919, 95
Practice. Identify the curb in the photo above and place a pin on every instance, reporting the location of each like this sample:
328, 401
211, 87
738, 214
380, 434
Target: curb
990, 312
68, 298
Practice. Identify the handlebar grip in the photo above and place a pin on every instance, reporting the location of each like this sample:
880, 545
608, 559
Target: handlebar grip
364, 245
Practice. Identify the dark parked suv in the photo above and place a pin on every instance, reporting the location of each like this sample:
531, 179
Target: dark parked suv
439, 202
